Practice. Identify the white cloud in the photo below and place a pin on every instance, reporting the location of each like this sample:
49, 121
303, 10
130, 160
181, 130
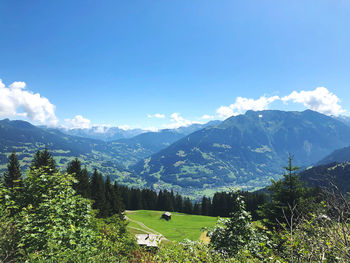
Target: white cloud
15, 100
178, 121
78, 122
225, 112
18, 85
124, 127
243, 104
157, 115
207, 117
319, 99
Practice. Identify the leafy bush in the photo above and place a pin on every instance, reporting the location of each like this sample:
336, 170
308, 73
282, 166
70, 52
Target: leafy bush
189, 251
8, 230
53, 217
235, 237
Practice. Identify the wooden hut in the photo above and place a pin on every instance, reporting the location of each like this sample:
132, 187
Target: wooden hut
166, 216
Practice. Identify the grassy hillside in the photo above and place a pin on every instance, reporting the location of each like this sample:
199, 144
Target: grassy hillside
180, 227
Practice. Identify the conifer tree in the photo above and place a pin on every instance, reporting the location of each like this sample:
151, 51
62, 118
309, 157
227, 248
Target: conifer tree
167, 203
83, 186
285, 194
44, 159
178, 203
109, 195
149, 199
118, 206
187, 206
135, 201
98, 193
196, 209
82, 176
13, 176
205, 206
160, 201
113, 201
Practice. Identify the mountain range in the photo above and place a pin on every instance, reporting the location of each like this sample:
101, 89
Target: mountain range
106, 133
243, 151
109, 157
103, 133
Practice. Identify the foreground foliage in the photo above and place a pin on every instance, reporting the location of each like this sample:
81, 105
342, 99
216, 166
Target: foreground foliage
44, 219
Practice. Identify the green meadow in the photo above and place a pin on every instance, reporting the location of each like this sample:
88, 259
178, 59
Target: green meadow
180, 227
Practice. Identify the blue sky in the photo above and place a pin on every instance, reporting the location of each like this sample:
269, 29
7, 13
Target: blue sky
122, 62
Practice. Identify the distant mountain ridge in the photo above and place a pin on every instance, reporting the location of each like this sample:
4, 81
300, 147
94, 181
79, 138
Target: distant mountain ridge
338, 156
103, 133
26, 139
111, 158
106, 133
328, 176
242, 151
343, 118
246, 150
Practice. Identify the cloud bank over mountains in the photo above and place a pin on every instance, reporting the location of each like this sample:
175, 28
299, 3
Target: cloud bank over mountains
319, 99
78, 122
157, 115
241, 105
17, 101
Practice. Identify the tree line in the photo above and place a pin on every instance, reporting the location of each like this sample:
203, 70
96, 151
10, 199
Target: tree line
110, 198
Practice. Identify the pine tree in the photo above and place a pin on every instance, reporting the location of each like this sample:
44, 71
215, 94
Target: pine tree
125, 195
13, 176
149, 199
178, 203
113, 200
167, 201
285, 194
82, 176
98, 193
204, 206
44, 159
136, 202
118, 206
196, 209
160, 201
83, 186
109, 195
187, 206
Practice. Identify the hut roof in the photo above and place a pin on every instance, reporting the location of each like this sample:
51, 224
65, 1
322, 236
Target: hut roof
167, 214
148, 240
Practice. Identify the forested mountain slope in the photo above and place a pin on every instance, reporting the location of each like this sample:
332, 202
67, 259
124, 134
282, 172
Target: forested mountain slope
111, 158
246, 150
103, 133
26, 139
329, 175
339, 156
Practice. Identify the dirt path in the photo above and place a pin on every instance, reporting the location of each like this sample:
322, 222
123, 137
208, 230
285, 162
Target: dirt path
151, 231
